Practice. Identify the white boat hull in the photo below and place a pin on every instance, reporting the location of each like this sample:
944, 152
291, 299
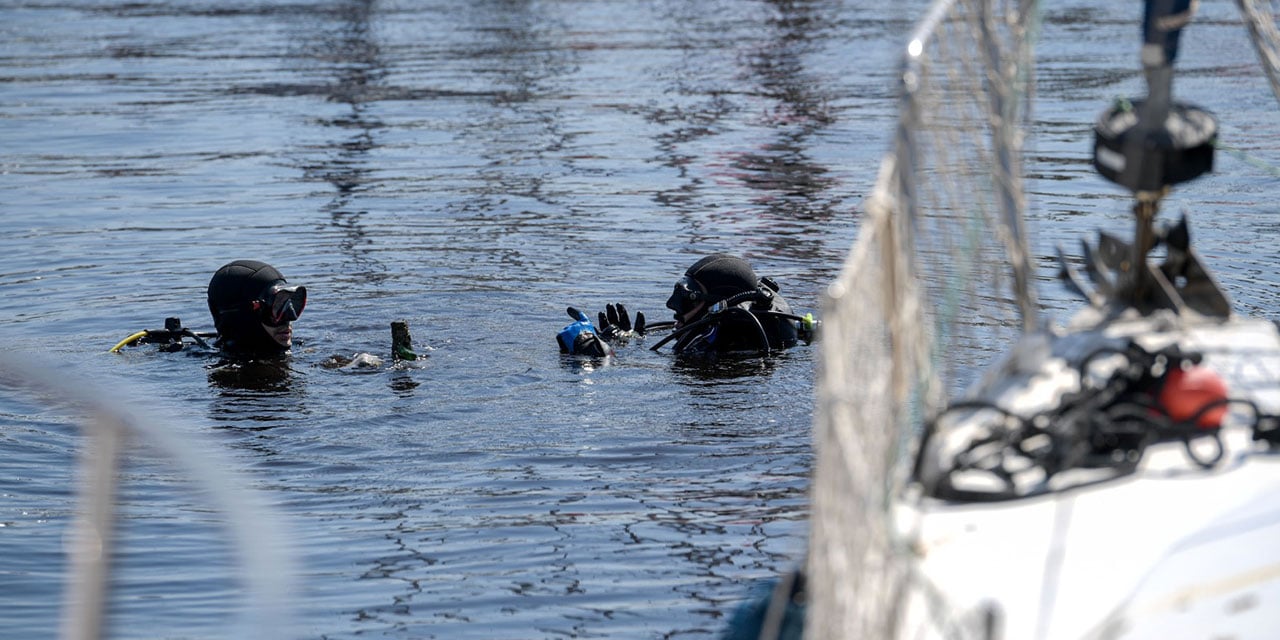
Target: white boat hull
1172, 550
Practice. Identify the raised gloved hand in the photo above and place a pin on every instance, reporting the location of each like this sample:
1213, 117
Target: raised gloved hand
615, 323
581, 337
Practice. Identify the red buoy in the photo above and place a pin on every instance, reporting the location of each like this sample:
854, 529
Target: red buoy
1187, 391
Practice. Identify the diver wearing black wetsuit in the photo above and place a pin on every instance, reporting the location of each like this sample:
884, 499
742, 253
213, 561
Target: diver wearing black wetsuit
253, 309
721, 306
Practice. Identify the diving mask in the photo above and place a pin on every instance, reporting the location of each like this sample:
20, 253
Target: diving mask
686, 295
280, 304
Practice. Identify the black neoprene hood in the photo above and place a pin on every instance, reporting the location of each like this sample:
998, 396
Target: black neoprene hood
723, 275
232, 291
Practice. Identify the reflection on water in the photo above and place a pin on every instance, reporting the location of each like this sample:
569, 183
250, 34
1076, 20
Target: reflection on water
273, 377
473, 168
793, 186
352, 53
696, 370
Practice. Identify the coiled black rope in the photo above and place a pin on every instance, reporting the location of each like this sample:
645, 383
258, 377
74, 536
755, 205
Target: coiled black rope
1107, 428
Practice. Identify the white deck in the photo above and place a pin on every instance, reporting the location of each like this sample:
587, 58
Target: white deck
1171, 551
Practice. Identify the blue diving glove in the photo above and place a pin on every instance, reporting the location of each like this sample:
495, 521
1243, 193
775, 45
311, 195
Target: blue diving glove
581, 337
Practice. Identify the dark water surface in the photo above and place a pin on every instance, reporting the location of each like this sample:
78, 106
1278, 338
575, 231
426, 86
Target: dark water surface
474, 167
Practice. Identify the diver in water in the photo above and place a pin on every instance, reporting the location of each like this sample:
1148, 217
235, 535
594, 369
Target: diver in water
719, 305
253, 309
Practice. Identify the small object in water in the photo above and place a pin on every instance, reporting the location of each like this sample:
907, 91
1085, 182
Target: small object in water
401, 342
363, 361
356, 361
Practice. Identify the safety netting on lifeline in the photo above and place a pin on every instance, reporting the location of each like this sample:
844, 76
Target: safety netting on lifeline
1259, 18
937, 281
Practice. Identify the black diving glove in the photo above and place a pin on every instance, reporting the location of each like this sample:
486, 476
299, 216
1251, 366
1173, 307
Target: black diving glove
581, 337
615, 323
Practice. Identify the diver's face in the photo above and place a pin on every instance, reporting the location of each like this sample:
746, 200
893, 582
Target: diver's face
687, 301
691, 315
283, 334
685, 311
